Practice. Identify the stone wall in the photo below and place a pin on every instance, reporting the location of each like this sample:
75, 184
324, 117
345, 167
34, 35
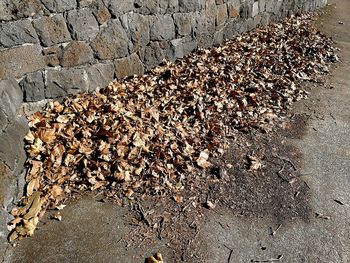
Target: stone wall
52, 48
59, 47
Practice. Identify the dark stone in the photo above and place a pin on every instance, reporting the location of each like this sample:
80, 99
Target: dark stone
18, 61
129, 66
82, 24
33, 86
52, 30
112, 42
153, 55
76, 53
17, 33
58, 6
163, 28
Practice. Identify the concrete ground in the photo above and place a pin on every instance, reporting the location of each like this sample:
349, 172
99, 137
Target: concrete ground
326, 165
92, 231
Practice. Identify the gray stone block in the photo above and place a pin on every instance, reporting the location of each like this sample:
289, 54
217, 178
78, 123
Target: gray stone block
153, 7
58, 6
99, 75
138, 27
183, 24
153, 55
82, 24
129, 66
177, 47
10, 98
7, 190
18, 61
61, 82
52, 30
12, 145
33, 86
112, 42
118, 8
173, 6
189, 5
163, 28
17, 33
76, 53
221, 14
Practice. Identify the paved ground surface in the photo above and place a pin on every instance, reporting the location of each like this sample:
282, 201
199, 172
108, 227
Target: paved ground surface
92, 231
326, 165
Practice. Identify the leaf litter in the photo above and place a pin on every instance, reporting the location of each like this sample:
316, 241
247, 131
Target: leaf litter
154, 134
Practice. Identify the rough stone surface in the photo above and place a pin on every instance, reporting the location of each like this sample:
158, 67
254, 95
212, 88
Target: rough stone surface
115, 29
59, 5
189, 5
82, 24
112, 42
129, 66
61, 82
138, 26
12, 146
153, 55
52, 30
33, 86
163, 28
17, 33
76, 53
183, 24
117, 8
221, 14
10, 101
15, 61
99, 75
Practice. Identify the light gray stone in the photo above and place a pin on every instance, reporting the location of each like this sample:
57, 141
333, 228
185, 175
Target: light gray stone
118, 8
10, 98
177, 47
163, 28
33, 86
152, 7
189, 5
183, 24
82, 24
129, 66
12, 145
61, 82
112, 42
17, 33
138, 26
52, 30
16, 62
99, 75
59, 6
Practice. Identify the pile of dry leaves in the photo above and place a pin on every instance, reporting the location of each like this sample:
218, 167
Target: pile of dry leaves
149, 134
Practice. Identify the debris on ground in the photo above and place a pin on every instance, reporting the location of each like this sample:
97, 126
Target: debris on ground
153, 134
157, 258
